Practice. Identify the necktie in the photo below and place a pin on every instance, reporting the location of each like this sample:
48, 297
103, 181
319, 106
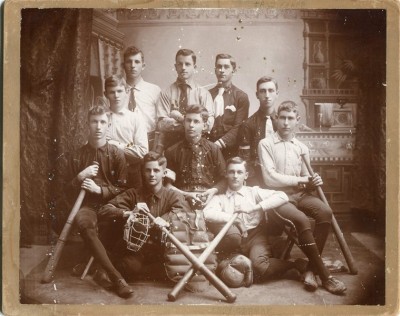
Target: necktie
132, 101
183, 98
269, 129
219, 102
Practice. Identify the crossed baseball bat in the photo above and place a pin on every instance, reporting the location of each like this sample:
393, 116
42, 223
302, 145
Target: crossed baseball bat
198, 262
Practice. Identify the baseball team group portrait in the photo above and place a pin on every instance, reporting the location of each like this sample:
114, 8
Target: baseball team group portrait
203, 156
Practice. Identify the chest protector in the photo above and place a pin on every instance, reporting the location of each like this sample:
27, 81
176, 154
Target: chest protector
190, 228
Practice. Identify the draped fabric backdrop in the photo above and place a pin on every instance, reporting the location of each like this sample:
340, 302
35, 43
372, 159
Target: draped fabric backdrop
369, 181
55, 60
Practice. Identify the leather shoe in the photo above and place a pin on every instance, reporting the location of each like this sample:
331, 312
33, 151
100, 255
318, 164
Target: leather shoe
122, 288
334, 285
310, 281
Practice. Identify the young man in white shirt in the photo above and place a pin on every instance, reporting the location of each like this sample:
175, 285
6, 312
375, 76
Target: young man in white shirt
283, 169
248, 235
143, 95
174, 100
126, 129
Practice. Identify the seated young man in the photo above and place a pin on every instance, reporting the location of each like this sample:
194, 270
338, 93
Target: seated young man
126, 128
173, 101
102, 182
283, 169
197, 162
159, 200
247, 235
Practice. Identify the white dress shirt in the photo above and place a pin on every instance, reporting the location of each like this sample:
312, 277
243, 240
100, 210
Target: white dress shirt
221, 206
128, 132
281, 162
146, 97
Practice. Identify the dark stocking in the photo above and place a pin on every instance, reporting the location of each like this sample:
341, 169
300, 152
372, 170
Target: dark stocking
308, 246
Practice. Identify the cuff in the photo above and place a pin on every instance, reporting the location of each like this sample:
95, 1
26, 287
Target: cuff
222, 143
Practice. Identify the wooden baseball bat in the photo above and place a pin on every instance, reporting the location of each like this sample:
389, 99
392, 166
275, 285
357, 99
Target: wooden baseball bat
55, 257
336, 229
202, 258
197, 264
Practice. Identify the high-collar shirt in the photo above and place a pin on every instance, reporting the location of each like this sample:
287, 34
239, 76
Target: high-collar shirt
251, 132
198, 167
222, 206
236, 110
281, 162
169, 98
111, 176
128, 132
159, 203
146, 96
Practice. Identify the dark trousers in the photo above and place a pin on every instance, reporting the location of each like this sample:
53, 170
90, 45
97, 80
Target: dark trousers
132, 265
86, 220
255, 246
296, 213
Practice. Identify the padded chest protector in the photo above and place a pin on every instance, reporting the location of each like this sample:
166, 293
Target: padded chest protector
190, 228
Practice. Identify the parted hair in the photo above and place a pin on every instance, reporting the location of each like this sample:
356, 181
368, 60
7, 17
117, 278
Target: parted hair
114, 81
153, 156
186, 52
97, 109
131, 51
289, 106
236, 161
198, 109
266, 79
226, 56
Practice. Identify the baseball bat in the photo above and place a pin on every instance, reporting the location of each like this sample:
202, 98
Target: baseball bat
336, 229
202, 258
55, 257
197, 264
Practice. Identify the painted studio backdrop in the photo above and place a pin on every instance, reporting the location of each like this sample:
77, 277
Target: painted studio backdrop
331, 62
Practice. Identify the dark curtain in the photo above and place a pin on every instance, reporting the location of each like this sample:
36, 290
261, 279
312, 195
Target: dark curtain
369, 181
55, 60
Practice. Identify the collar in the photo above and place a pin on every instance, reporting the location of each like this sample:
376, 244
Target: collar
230, 192
102, 148
148, 194
139, 85
278, 139
262, 115
189, 82
189, 145
123, 111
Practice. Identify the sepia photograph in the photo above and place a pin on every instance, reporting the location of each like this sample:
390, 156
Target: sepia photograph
183, 159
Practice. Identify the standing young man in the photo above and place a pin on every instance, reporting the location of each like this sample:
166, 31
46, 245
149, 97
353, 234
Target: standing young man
159, 200
126, 128
231, 106
102, 181
173, 101
197, 162
261, 124
143, 95
283, 169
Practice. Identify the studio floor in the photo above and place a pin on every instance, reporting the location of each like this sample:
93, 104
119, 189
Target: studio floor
365, 288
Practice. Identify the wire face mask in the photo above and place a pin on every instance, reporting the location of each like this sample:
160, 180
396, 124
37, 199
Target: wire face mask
136, 231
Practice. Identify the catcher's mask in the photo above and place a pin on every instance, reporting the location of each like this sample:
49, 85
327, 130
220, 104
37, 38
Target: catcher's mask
136, 231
